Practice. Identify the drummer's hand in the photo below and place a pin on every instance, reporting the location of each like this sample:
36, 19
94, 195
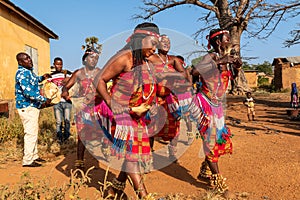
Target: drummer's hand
153, 110
46, 76
65, 95
48, 102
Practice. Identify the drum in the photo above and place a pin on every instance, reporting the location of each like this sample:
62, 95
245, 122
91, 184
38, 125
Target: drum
51, 91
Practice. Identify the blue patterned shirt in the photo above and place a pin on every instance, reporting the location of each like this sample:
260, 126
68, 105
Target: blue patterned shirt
27, 90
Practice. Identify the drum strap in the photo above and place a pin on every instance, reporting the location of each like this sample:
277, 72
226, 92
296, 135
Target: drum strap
65, 73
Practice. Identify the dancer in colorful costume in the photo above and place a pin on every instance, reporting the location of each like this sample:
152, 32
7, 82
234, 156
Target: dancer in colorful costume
132, 94
86, 101
185, 116
170, 69
207, 106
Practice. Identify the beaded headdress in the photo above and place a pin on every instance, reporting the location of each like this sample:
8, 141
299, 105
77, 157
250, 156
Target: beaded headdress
214, 35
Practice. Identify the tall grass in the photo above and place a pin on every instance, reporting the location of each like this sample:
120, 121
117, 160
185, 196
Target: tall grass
11, 129
12, 137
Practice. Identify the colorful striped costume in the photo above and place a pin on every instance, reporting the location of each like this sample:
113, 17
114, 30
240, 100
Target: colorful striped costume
86, 123
207, 110
170, 103
127, 131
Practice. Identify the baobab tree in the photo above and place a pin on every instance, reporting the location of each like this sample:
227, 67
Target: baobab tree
256, 18
295, 34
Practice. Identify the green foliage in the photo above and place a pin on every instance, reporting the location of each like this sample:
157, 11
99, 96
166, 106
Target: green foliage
266, 67
246, 66
10, 130
262, 80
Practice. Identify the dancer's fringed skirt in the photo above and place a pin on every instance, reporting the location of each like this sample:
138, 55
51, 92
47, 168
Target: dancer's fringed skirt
210, 121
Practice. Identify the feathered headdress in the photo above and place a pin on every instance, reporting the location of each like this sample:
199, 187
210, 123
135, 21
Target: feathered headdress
92, 43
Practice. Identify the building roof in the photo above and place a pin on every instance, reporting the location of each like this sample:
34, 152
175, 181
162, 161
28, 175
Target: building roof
18, 11
294, 60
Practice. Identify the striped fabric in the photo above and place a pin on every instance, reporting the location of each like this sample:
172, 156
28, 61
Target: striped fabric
175, 105
178, 102
129, 132
206, 110
86, 123
57, 77
171, 127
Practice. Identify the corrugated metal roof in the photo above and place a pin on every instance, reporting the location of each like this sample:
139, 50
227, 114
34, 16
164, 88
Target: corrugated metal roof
294, 60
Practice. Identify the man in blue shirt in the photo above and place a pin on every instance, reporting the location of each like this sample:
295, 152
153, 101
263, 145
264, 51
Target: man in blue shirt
28, 102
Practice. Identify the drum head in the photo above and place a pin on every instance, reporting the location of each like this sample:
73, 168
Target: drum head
51, 91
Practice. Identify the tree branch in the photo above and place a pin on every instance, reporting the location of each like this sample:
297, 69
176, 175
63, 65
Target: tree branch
153, 7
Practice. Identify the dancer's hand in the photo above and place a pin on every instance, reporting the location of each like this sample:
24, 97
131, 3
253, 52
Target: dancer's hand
117, 108
139, 110
153, 110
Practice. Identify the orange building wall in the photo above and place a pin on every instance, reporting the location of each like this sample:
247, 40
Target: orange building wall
290, 75
15, 33
251, 78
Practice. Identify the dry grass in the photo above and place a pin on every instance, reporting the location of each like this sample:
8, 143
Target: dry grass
11, 149
28, 189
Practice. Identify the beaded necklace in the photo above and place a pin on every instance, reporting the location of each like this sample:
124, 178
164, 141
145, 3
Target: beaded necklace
164, 62
152, 85
90, 80
87, 75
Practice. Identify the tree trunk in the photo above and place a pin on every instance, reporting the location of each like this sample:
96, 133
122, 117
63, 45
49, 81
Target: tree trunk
240, 84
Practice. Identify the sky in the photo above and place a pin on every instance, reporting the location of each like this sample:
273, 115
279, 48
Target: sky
112, 22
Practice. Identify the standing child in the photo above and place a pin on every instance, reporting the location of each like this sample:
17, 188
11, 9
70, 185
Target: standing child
249, 102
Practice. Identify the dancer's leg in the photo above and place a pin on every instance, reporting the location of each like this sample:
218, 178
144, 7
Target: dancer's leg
172, 147
134, 172
151, 141
79, 163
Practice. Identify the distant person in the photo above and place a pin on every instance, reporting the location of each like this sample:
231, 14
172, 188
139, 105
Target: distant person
249, 102
28, 102
62, 110
294, 96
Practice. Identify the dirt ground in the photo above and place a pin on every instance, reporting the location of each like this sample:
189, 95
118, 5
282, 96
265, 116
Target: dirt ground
264, 164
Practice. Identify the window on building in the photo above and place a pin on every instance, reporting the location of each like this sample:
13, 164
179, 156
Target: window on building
34, 56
